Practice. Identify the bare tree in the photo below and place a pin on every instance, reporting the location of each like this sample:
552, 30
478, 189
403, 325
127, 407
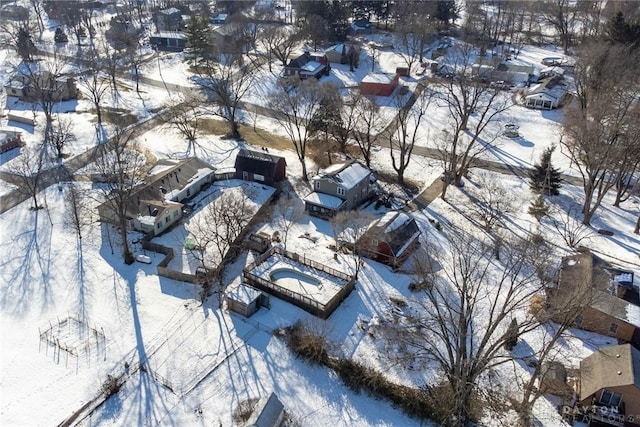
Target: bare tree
567, 223
279, 42
38, 10
93, 82
77, 216
45, 86
406, 129
348, 228
287, 212
61, 135
184, 115
368, 124
561, 15
598, 129
224, 84
461, 322
295, 103
26, 173
492, 200
219, 226
122, 169
470, 104
414, 31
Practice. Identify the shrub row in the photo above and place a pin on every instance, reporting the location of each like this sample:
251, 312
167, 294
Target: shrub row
416, 403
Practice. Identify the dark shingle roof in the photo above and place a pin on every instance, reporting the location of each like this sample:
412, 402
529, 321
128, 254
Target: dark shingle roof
257, 162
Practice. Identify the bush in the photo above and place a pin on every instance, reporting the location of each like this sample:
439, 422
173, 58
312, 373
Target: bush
111, 386
304, 343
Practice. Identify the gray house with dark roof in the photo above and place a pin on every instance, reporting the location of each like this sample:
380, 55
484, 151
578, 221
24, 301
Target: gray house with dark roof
342, 186
260, 166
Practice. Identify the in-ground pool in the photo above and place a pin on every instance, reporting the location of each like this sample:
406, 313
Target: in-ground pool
290, 278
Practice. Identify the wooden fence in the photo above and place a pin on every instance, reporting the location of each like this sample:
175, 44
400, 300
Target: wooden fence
308, 304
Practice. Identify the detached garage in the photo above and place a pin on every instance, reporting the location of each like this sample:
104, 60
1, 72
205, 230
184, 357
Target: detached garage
379, 84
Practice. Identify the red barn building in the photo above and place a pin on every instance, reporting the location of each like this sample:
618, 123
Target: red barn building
390, 239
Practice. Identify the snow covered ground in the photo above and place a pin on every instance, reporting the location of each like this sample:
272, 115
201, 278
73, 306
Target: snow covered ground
202, 361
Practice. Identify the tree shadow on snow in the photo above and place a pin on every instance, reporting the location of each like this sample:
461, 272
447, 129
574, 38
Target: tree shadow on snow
29, 281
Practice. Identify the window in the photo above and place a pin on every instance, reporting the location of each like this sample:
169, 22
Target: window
175, 214
613, 328
166, 220
258, 177
340, 191
158, 226
188, 192
317, 185
609, 398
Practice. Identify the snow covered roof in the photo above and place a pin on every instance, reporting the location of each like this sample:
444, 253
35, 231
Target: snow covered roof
168, 35
393, 220
348, 175
384, 78
242, 293
169, 11
324, 200
312, 67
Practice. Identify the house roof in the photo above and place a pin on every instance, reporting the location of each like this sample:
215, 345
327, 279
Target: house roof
167, 178
347, 175
169, 35
267, 412
325, 200
609, 367
257, 161
396, 228
589, 272
169, 11
382, 78
242, 293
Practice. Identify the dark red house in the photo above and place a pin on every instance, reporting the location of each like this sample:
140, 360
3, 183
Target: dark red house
390, 239
260, 166
309, 64
379, 84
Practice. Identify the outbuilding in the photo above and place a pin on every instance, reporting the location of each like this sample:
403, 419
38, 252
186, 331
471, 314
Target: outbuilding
260, 166
379, 84
244, 299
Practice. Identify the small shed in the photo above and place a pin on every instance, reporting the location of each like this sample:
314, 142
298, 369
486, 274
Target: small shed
269, 412
379, 84
260, 166
244, 299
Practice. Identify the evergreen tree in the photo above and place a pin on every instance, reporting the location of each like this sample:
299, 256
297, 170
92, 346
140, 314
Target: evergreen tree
199, 39
60, 36
544, 178
618, 30
538, 208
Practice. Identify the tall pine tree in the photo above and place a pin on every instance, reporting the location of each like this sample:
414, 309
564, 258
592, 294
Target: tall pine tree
544, 178
199, 40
